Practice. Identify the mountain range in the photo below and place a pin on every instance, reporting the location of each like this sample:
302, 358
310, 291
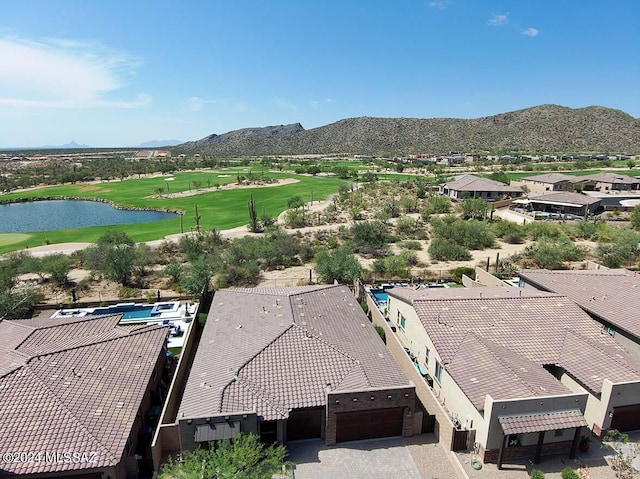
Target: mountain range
541, 129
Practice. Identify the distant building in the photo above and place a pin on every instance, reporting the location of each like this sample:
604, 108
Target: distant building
469, 186
609, 182
561, 202
540, 184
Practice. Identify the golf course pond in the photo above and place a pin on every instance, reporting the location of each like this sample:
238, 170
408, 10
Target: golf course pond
62, 214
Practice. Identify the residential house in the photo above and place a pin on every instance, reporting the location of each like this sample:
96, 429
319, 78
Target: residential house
292, 363
524, 370
469, 186
610, 296
75, 397
540, 184
609, 182
562, 203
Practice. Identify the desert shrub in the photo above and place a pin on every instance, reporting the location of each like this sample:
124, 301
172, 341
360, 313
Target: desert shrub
338, 265
369, 237
462, 270
569, 473
622, 251
396, 266
536, 474
411, 245
471, 234
410, 227
174, 271
436, 205
296, 218
552, 254
508, 231
442, 249
247, 274
538, 229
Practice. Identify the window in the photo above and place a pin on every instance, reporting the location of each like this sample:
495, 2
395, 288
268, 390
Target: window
610, 331
559, 432
401, 321
514, 440
426, 355
439, 371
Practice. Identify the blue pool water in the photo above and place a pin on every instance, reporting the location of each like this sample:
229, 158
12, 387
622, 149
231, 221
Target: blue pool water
129, 312
381, 295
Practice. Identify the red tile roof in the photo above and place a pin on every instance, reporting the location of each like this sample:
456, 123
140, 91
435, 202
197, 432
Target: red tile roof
551, 178
83, 395
475, 183
611, 294
496, 340
275, 349
542, 422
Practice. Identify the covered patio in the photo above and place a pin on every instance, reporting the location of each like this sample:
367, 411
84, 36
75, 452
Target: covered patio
541, 423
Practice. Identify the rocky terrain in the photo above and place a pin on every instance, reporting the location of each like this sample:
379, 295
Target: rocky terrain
540, 129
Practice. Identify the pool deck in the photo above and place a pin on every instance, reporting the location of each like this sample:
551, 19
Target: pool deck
177, 314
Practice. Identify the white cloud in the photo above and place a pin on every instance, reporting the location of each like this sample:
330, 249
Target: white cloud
60, 73
531, 32
441, 4
499, 19
321, 103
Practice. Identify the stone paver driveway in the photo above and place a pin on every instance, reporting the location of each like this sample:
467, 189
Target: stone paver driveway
370, 459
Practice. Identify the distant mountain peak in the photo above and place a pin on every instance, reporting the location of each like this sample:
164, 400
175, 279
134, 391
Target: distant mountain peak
158, 143
265, 131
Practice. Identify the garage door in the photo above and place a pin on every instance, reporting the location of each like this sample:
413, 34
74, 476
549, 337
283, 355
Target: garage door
352, 426
304, 424
626, 418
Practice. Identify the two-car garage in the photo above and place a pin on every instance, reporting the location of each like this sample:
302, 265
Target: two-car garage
356, 425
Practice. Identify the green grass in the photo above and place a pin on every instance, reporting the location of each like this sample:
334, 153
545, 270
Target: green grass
11, 238
221, 209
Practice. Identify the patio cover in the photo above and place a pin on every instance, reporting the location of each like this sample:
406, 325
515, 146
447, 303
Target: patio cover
214, 432
527, 423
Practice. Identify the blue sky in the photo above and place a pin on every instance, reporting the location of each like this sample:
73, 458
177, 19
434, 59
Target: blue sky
118, 73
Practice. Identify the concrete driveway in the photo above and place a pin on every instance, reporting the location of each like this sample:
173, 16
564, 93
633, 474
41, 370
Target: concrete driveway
418, 457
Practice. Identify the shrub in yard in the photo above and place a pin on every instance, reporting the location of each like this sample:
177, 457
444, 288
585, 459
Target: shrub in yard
536, 474
381, 333
568, 473
442, 249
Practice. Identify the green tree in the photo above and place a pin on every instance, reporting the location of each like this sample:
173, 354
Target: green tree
115, 255
57, 267
198, 274
442, 249
553, 253
635, 217
474, 208
622, 251
244, 457
295, 202
338, 265
369, 237
14, 303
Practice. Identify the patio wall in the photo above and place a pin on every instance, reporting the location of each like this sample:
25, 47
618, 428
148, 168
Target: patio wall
444, 427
